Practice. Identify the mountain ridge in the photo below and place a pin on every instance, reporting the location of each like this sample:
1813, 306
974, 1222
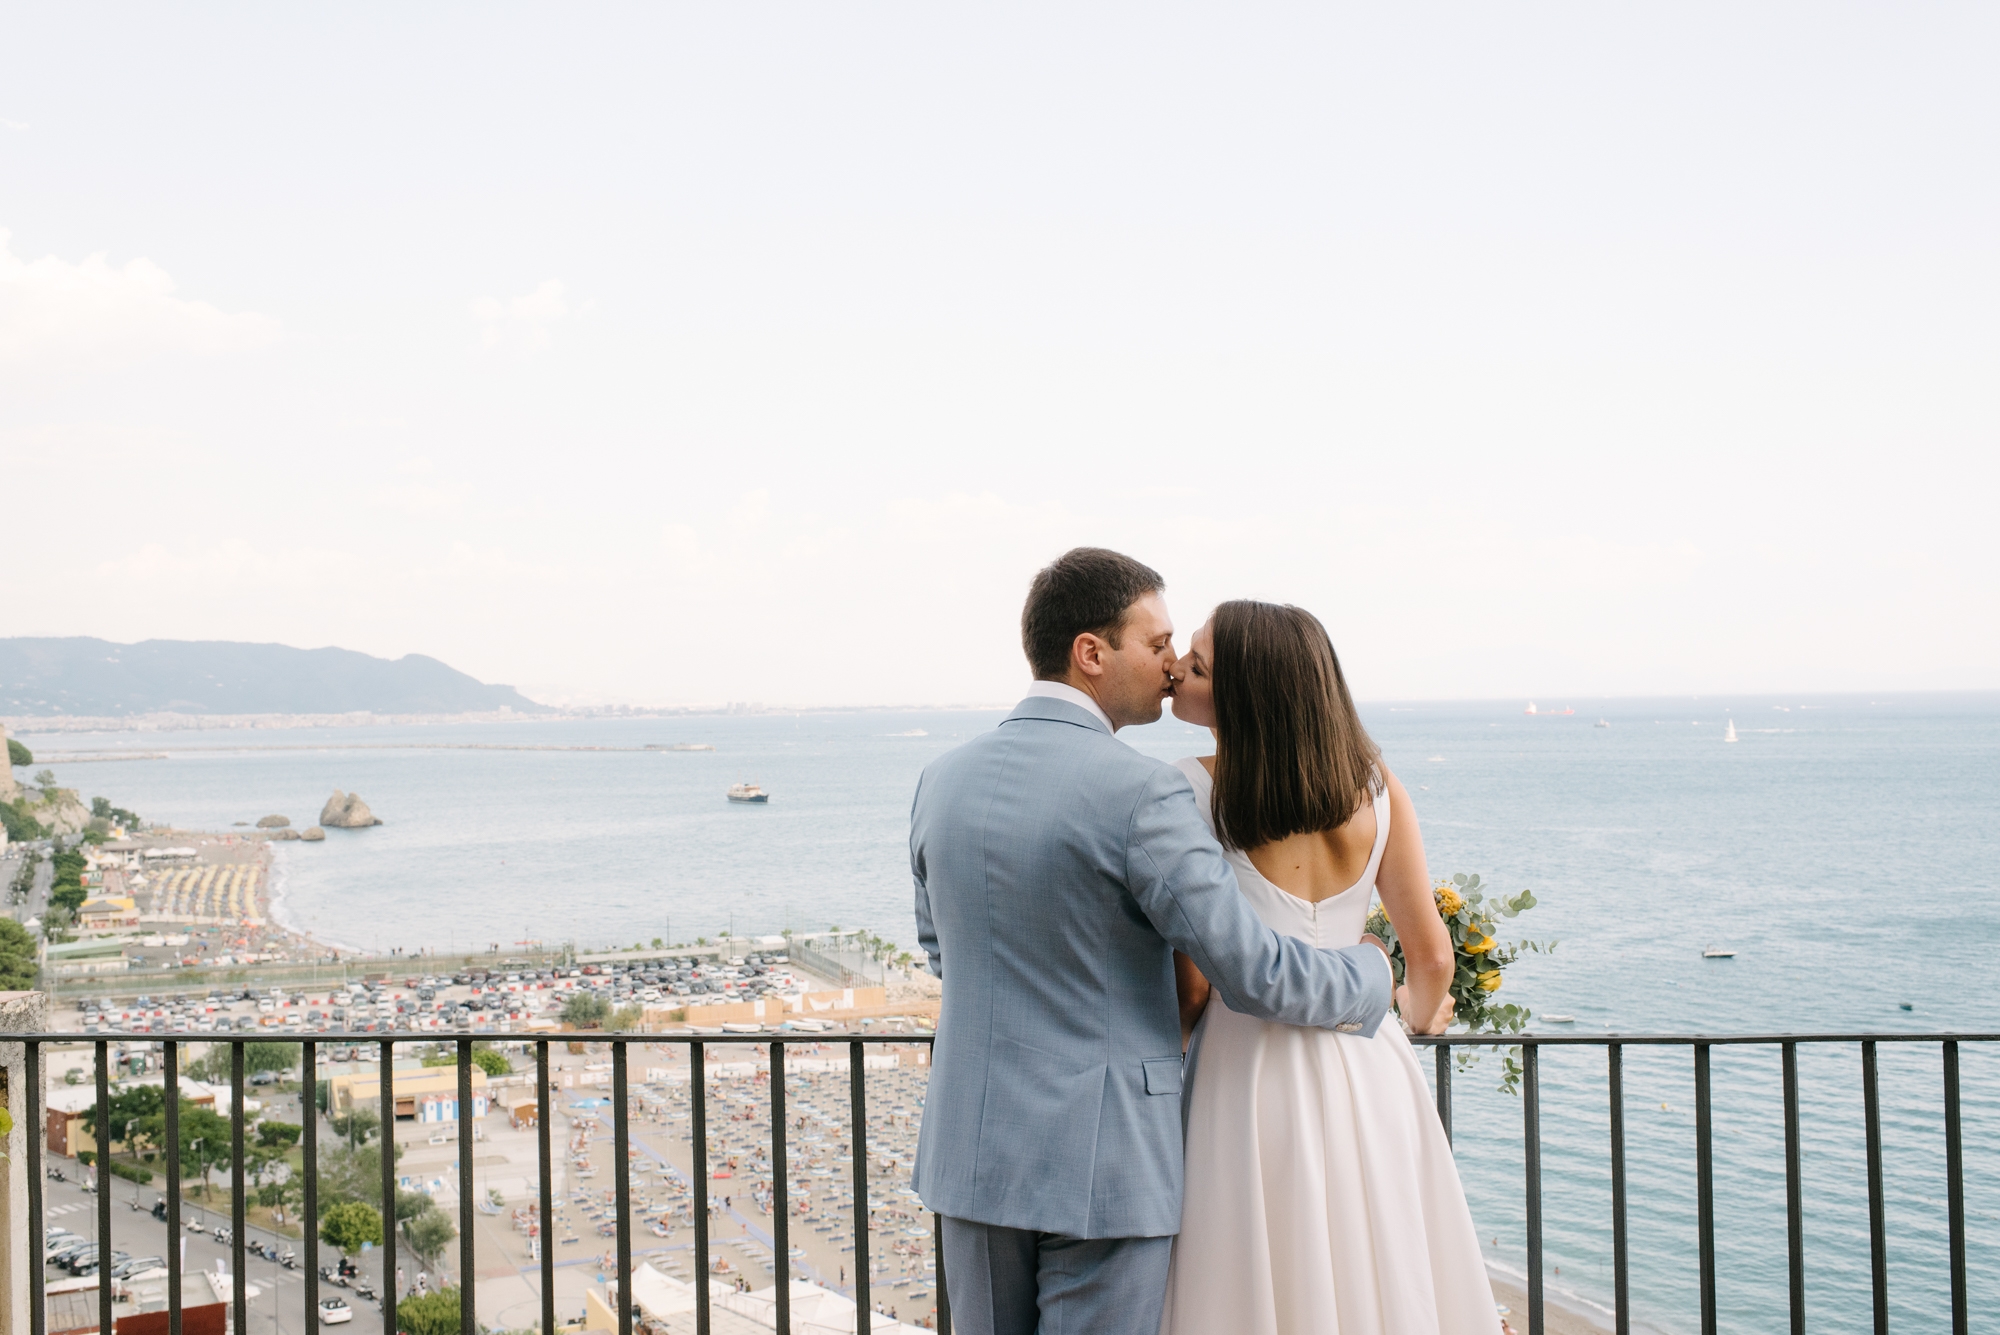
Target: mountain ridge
85, 676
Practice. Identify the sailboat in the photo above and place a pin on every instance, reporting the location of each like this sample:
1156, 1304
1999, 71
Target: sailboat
1730, 736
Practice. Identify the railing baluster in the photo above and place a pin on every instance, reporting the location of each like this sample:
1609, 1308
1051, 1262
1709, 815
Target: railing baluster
1795, 1193
1444, 1089
1878, 1238
857, 1116
1621, 1276
781, 1224
1704, 1182
38, 1316
102, 1125
621, 1179
1531, 1139
698, 1082
1954, 1170
239, 1278
309, 1171
468, 1312
170, 1101
387, 1099
548, 1236
943, 1294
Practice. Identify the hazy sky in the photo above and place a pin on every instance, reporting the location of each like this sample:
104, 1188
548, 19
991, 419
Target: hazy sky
735, 352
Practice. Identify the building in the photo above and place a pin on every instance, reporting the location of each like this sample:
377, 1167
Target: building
108, 913
427, 1094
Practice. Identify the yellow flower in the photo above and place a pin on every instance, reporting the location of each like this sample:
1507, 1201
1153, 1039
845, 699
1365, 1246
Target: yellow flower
1478, 941
1449, 901
1489, 980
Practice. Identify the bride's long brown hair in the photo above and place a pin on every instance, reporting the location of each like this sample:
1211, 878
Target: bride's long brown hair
1291, 755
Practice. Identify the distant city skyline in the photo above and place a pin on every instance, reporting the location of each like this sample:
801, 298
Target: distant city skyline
762, 354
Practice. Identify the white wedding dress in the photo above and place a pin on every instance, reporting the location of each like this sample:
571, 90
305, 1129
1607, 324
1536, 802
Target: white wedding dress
1321, 1192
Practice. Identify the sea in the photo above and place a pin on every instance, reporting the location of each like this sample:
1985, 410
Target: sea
1843, 847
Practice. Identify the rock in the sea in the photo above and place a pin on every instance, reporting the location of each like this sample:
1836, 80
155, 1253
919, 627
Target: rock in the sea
313, 835
346, 811
282, 835
274, 822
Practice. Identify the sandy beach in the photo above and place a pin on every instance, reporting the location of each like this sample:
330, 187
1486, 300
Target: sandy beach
1557, 1319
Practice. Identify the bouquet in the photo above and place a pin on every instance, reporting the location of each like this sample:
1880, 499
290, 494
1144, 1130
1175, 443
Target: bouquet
1478, 959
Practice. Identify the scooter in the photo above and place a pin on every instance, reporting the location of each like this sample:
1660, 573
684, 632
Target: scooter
289, 1260
332, 1276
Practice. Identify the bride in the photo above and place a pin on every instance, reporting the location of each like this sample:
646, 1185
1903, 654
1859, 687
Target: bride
1321, 1193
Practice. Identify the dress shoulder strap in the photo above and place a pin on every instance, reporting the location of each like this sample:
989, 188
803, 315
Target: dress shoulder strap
1381, 829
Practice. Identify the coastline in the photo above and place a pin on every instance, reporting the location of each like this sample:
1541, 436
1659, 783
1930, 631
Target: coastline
1564, 1315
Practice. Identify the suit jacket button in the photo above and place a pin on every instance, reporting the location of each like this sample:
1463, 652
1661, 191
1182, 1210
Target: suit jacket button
1351, 1027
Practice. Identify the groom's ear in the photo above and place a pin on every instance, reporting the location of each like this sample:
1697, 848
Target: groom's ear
1087, 653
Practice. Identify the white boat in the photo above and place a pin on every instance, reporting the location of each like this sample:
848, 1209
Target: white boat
1560, 1019
748, 792
1601, 723
1730, 735
1718, 953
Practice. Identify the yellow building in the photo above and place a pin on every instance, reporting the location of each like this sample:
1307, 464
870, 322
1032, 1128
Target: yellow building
108, 914
429, 1094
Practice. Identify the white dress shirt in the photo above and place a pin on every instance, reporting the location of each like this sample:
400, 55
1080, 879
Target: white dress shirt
1062, 690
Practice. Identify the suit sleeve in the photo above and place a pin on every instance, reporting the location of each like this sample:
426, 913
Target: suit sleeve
927, 936
1185, 887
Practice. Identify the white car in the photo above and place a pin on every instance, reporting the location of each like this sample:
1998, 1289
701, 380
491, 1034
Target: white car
334, 1312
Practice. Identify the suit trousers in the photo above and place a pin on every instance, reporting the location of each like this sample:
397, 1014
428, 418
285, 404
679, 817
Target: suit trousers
1014, 1281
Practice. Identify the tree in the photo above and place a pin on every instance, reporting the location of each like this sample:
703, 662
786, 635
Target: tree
357, 1125
21, 827
139, 1104
491, 1062
279, 1135
18, 754
349, 1225
213, 1065
428, 1235
205, 1134
17, 957
430, 1314
585, 1009
46, 780
352, 1175
68, 898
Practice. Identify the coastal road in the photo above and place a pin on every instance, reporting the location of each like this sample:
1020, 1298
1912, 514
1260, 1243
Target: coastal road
278, 1306
38, 897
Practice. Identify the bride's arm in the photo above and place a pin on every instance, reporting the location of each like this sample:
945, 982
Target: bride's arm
1404, 882
1192, 990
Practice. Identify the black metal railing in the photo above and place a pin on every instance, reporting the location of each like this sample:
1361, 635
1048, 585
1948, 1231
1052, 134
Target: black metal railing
309, 1144
1530, 1046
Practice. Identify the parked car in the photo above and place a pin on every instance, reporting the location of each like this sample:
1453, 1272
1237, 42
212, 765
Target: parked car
334, 1312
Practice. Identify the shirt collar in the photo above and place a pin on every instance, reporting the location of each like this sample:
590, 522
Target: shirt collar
1061, 690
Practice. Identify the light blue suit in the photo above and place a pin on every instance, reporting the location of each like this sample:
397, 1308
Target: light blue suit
1056, 870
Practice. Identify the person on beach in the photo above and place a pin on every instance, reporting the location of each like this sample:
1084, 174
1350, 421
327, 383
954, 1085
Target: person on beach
1056, 874
1321, 1191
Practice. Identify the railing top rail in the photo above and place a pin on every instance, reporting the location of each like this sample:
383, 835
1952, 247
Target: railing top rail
1484, 1040
455, 1035
1612, 1036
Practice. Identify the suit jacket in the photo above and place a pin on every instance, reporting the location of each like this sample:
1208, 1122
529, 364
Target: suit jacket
1056, 870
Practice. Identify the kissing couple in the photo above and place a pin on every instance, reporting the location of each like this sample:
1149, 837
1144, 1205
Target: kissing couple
1163, 1098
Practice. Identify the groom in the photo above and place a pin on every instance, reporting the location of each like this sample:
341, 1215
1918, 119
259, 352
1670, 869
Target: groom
1057, 870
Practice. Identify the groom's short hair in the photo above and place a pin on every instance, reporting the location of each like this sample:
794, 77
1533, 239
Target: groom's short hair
1086, 590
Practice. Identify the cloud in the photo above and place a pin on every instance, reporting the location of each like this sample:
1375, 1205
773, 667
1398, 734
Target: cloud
521, 324
16, 126
91, 314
